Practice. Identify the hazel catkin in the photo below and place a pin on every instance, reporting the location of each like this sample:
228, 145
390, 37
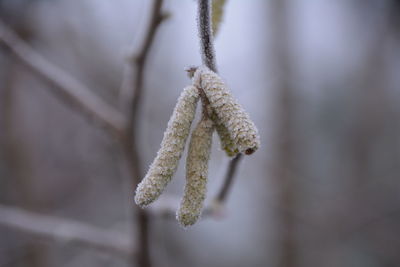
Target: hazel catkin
196, 173
241, 129
166, 162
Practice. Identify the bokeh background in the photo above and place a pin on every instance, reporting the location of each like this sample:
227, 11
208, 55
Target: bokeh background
319, 78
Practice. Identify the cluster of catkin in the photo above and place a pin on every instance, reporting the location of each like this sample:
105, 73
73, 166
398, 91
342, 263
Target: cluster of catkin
222, 112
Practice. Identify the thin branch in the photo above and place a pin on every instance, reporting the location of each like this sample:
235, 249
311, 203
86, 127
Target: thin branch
66, 231
131, 96
228, 181
206, 37
133, 74
139, 62
66, 87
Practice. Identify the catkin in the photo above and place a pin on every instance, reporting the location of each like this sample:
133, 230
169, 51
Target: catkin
196, 173
227, 144
166, 162
241, 129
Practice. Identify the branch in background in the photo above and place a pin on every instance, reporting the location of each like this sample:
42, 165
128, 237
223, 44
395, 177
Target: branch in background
76, 94
66, 231
131, 96
67, 88
228, 181
132, 81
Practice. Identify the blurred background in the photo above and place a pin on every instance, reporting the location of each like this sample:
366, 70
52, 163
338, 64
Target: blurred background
319, 78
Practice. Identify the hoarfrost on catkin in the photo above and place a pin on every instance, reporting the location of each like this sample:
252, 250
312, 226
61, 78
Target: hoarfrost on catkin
166, 162
196, 173
242, 130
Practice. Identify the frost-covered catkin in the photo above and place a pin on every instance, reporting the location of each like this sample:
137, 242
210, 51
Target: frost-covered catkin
227, 144
238, 123
166, 162
196, 173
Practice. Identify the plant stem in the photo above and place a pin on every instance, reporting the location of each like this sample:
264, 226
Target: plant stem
206, 37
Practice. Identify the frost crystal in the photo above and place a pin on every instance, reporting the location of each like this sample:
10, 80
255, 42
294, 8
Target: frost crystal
166, 162
196, 173
241, 129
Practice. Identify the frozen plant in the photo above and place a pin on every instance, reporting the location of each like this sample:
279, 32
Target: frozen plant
229, 112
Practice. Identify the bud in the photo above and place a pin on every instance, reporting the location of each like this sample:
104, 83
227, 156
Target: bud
196, 173
166, 162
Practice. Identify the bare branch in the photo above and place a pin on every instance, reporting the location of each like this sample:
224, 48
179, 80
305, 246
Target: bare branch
66, 231
206, 37
132, 83
66, 87
140, 59
228, 181
131, 96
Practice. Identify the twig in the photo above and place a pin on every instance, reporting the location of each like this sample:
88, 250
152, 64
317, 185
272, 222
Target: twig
206, 37
140, 59
228, 181
67, 231
66, 87
133, 74
132, 89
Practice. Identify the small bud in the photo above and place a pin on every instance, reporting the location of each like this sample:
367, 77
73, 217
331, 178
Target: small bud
196, 173
166, 162
190, 71
237, 122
